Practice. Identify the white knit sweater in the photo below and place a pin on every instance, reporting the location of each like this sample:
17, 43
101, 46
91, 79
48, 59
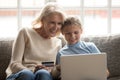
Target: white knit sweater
30, 49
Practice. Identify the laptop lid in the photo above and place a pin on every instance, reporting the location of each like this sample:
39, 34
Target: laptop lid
84, 67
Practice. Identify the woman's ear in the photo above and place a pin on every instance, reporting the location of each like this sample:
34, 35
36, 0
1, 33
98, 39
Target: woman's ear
81, 30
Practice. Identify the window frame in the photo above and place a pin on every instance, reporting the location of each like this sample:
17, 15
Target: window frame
81, 9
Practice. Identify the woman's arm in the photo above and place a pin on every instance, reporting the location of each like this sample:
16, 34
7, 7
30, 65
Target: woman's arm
18, 52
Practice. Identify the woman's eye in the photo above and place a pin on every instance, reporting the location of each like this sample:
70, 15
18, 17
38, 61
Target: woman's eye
76, 32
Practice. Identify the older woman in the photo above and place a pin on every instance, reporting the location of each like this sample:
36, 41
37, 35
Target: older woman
35, 45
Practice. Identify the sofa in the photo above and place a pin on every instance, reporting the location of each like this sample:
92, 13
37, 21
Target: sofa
108, 43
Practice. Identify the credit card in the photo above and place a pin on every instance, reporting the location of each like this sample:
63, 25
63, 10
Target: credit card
48, 63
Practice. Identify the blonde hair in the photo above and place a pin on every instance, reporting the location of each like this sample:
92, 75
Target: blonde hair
48, 9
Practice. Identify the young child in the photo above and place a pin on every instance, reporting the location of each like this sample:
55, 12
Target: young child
72, 30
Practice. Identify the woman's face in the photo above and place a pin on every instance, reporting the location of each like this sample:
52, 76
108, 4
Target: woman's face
52, 24
72, 34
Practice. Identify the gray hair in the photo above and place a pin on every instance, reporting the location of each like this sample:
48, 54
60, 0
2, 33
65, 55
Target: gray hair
48, 9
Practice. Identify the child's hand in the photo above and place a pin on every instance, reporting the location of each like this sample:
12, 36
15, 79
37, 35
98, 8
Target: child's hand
108, 73
58, 67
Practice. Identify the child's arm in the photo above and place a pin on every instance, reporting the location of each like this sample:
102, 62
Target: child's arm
56, 72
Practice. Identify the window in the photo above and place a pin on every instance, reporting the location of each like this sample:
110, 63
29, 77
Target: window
95, 17
99, 17
8, 17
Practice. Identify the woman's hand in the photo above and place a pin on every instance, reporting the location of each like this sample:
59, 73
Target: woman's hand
38, 67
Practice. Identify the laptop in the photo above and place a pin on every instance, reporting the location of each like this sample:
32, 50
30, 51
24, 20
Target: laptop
84, 67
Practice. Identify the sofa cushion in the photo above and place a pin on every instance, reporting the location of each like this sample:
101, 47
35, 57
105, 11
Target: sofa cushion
110, 45
5, 54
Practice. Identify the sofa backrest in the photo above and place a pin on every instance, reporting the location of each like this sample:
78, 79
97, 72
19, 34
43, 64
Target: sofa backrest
5, 55
108, 44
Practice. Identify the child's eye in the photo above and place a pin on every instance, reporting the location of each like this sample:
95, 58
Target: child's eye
60, 23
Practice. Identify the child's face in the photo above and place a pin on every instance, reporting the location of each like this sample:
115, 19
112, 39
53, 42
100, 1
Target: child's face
72, 34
